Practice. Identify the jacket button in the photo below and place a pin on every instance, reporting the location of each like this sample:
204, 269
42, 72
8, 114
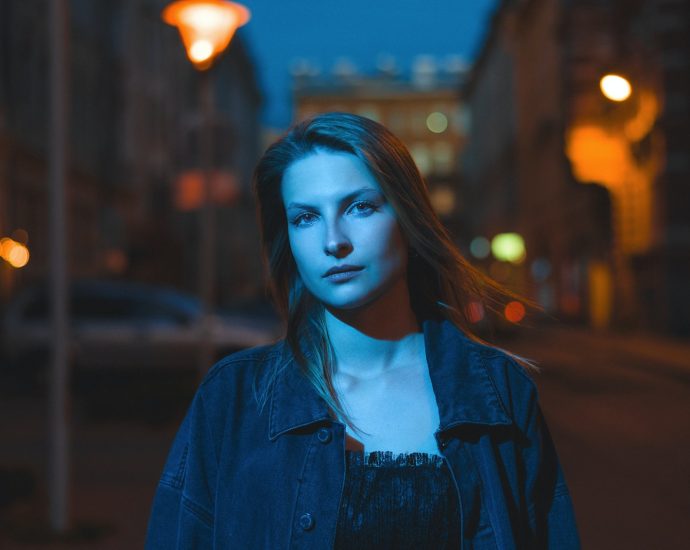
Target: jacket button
306, 522
324, 435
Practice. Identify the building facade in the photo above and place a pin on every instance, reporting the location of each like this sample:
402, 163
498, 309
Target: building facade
422, 109
586, 180
134, 139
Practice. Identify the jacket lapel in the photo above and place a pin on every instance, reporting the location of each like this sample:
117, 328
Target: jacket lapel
465, 392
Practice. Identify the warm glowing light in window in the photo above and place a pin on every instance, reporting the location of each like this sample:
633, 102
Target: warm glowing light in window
437, 122
615, 87
514, 312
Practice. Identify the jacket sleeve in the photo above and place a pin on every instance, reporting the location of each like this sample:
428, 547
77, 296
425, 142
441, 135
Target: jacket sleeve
182, 511
549, 508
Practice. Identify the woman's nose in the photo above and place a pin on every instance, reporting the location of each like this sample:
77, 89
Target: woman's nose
337, 243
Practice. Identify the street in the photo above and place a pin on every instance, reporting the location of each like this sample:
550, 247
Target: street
617, 408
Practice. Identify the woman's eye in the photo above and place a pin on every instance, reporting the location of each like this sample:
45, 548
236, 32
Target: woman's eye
303, 219
363, 207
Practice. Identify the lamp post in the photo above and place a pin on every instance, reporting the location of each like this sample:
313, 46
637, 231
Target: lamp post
59, 387
206, 28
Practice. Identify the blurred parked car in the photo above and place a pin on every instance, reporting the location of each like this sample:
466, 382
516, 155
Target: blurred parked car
126, 326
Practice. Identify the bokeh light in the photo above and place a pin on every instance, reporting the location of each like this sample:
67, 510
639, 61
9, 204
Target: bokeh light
540, 269
508, 247
615, 87
514, 312
16, 254
115, 260
480, 248
437, 122
5, 245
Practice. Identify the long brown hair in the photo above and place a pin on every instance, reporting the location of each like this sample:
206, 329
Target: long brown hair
442, 282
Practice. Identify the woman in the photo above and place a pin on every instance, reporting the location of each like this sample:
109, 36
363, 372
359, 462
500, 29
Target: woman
380, 421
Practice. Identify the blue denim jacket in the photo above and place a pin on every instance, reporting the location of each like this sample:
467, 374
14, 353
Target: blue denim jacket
241, 477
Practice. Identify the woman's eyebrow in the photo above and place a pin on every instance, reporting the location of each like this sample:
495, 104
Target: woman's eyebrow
346, 198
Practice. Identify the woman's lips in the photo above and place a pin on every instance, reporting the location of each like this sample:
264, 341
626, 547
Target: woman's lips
342, 276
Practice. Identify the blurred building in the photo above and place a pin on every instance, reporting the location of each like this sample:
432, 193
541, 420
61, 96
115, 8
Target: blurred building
133, 185
592, 184
422, 108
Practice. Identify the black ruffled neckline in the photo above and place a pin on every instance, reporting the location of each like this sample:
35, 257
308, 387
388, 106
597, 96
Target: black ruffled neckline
390, 459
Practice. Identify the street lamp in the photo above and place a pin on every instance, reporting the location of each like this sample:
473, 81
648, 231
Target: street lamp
615, 87
206, 28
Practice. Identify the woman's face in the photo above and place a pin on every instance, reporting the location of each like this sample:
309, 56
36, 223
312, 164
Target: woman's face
338, 217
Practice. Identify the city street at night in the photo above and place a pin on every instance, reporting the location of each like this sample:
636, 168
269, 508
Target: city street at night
185, 179
616, 405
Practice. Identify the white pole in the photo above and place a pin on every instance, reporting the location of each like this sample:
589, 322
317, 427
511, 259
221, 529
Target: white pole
59, 449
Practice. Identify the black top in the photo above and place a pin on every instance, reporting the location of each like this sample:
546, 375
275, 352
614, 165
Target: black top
398, 501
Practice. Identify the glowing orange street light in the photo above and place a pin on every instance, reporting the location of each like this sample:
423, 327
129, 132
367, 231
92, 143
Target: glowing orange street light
206, 26
615, 87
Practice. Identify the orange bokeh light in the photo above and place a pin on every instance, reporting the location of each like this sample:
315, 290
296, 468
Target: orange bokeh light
18, 255
190, 191
598, 155
6, 245
514, 312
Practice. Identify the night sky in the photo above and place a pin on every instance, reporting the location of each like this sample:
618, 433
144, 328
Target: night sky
322, 31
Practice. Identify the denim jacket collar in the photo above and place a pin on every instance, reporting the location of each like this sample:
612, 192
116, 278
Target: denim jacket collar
464, 390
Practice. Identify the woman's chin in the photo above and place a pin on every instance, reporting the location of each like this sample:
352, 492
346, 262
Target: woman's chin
351, 304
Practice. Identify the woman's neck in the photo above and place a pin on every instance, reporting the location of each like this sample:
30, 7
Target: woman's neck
375, 338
